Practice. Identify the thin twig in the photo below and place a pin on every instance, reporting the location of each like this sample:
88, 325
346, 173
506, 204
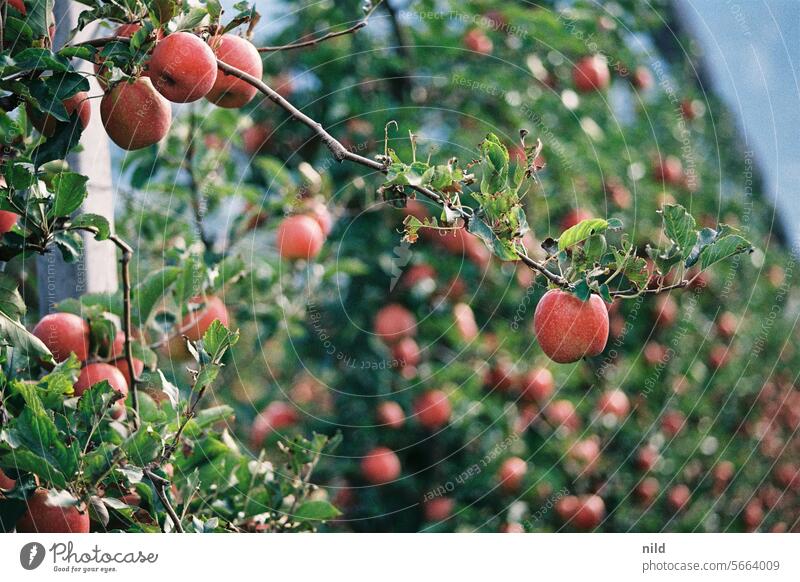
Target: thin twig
315, 41
160, 485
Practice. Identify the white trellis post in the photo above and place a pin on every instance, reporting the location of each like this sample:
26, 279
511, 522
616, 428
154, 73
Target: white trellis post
96, 271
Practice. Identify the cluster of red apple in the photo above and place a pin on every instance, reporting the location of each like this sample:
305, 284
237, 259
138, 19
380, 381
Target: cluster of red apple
182, 68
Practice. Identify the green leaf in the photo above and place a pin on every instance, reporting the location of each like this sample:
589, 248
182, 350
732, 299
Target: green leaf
69, 189
40, 59
94, 221
150, 291
722, 249
500, 248
144, 445
317, 510
12, 332
679, 226
581, 231
25, 460
67, 135
494, 164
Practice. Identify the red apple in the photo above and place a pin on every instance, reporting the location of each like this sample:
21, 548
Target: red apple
672, 422
121, 364
94, 373
432, 409
380, 465
182, 67
500, 376
229, 91
46, 124
574, 217
666, 310
668, 170
723, 471
135, 115
537, 385
753, 515
464, 319
278, 415
614, 402
591, 74
19, 6
319, 212
6, 482
394, 322
477, 41
419, 275
64, 333
562, 413
647, 457
438, 508
511, 474
642, 78
299, 237
568, 329
678, 497
407, 352
41, 517
391, 414
718, 357
586, 452
590, 512
647, 490
7, 221
727, 324
198, 320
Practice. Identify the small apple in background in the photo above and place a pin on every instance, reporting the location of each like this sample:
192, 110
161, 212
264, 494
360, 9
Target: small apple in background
753, 515
317, 210
788, 476
586, 453
673, 422
614, 402
299, 237
393, 323
561, 413
64, 333
390, 414
718, 357
647, 457
512, 528
278, 415
135, 115
46, 124
381, 465
422, 275
574, 217
229, 91
203, 312
537, 385
678, 497
727, 324
19, 6
407, 353
692, 109
511, 474
723, 471
500, 376
642, 78
182, 67
569, 329
647, 490
438, 508
255, 137
668, 170
477, 41
7, 221
590, 512
591, 74
464, 319
655, 353
6, 483
432, 409
41, 517
94, 373
665, 310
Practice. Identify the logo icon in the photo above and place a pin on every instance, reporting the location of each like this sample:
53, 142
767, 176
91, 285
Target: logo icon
31, 555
